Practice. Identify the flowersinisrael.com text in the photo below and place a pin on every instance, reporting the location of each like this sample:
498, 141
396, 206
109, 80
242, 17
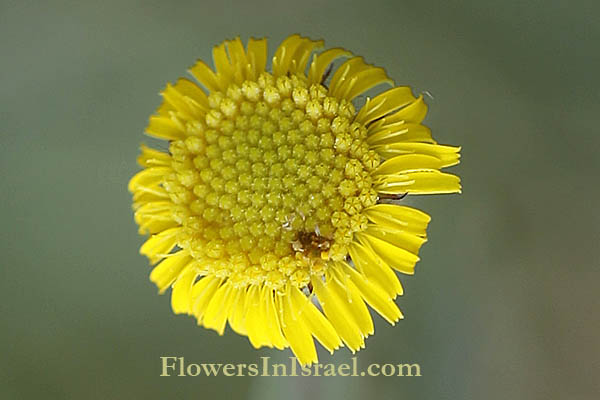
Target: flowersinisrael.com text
177, 366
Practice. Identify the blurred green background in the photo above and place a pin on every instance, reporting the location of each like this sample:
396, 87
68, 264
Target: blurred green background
504, 303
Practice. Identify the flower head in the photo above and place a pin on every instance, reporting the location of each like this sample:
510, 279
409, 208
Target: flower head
268, 212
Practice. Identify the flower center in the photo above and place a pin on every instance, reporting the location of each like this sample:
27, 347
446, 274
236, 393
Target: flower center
272, 184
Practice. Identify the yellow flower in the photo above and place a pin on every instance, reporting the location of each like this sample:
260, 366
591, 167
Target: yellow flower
271, 210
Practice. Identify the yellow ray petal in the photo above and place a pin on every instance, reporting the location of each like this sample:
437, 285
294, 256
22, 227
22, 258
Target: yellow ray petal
345, 288
447, 155
193, 92
237, 312
185, 107
165, 273
375, 269
223, 67
206, 76
400, 132
344, 72
155, 224
375, 296
398, 238
384, 104
239, 60
165, 128
257, 56
302, 54
415, 112
422, 182
155, 207
181, 295
284, 54
296, 333
398, 258
153, 158
320, 63
146, 194
165, 109
364, 81
407, 163
273, 319
202, 293
148, 177
217, 310
397, 217
157, 246
338, 313
154, 217
316, 322
255, 320
355, 77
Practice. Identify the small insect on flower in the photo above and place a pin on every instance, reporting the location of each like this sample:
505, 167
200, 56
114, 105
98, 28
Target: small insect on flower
312, 243
271, 210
